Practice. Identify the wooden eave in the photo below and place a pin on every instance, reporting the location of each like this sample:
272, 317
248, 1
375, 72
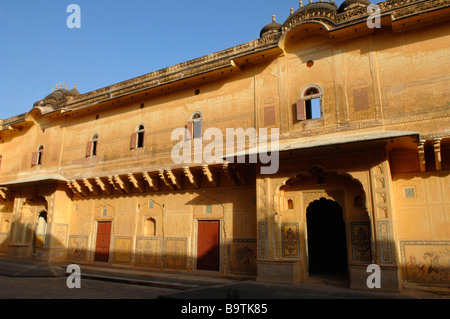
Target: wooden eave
185, 178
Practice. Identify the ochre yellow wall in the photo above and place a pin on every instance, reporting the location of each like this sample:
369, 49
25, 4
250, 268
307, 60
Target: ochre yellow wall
175, 215
423, 227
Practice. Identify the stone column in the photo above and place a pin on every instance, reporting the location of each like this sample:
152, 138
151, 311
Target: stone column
384, 254
271, 267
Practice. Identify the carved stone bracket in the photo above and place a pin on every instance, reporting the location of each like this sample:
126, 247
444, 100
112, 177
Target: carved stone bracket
437, 153
421, 150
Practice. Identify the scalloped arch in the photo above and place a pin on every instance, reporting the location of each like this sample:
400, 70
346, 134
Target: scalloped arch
304, 26
312, 171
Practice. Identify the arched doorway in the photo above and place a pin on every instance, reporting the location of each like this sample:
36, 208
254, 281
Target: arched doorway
327, 245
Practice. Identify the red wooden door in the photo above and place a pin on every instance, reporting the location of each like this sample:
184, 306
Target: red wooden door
103, 241
208, 245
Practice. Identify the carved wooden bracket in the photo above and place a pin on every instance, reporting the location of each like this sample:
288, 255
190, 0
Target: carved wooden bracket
437, 153
91, 187
175, 179
136, 183
104, 187
193, 179
113, 183
230, 172
166, 180
5, 194
152, 182
78, 188
123, 184
212, 178
422, 162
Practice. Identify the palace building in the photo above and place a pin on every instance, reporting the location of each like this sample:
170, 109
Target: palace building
362, 117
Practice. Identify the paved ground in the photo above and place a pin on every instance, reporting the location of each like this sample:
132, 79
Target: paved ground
29, 279
55, 288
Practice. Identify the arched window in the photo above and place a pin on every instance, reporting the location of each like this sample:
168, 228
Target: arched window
91, 148
40, 154
36, 158
309, 106
137, 138
194, 126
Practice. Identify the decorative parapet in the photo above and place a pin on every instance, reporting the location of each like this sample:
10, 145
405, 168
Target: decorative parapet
202, 65
12, 120
397, 8
404, 9
326, 13
320, 13
346, 16
394, 4
218, 60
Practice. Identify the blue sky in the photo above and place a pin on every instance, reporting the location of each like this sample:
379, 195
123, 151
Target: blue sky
118, 40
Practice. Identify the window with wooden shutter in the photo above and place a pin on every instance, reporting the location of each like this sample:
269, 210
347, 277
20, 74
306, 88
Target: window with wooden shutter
301, 110
313, 109
139, 137
89, 148
189, 130
194, 126
94, 142
35, 158
94, 148
309, 106
140, 141
133, 142
40, 154
198, 129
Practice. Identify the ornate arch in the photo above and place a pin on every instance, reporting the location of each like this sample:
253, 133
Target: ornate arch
103, 209
337, 196
318, 170
154, 210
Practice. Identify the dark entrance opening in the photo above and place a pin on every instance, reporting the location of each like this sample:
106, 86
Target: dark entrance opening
327, 246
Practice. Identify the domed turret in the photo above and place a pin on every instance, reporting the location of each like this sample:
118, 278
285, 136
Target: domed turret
352, 4
272, 28
58, 97
311, 6
313, 10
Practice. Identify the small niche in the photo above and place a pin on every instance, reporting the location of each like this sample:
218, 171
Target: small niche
290, 204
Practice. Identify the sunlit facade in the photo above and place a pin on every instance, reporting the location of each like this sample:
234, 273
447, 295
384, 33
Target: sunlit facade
363, 158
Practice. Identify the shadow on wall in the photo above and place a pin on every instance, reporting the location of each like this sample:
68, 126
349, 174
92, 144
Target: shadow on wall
420, 265
26, 240
235, 257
